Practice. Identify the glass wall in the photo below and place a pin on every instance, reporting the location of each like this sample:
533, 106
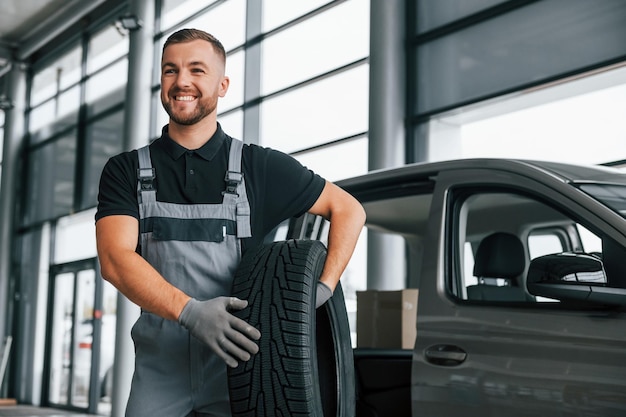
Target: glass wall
75, 123
75, 114
521, 92
315, 84
484, 52
580, 121
516, 48
312, 76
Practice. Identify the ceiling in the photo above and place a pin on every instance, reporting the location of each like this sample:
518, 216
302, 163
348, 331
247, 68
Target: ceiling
26, 25
20, 19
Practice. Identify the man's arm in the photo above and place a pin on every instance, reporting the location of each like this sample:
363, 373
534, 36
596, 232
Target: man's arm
116, 238
209, 320
347, 217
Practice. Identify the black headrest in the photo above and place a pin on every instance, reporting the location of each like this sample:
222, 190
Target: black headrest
500, 255
613, 256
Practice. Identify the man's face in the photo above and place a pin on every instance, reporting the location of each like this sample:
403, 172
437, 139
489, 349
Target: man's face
192, 79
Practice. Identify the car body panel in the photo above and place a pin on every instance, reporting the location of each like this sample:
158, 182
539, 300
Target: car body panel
474, 358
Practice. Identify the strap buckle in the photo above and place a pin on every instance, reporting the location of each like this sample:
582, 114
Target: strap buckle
146, 177
233, 179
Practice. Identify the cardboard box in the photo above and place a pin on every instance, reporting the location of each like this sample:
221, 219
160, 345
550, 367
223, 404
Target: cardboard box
386, 319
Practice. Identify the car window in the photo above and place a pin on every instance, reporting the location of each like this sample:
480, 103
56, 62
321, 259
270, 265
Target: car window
388, 254
542, 243
497, 234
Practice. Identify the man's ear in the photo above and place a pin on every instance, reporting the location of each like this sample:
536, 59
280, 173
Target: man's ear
224, 86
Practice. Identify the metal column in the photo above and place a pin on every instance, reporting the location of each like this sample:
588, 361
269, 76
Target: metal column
252, 74
136, 134
13, 137
386, 254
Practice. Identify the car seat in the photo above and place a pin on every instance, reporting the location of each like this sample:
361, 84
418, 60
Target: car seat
613, 255
499, 255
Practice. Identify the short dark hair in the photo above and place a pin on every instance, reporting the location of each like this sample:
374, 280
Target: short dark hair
188, 35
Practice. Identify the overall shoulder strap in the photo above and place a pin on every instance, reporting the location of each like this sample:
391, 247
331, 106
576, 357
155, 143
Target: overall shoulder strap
145, 177
236, 189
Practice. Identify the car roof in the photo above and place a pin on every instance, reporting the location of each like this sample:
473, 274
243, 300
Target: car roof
426, 171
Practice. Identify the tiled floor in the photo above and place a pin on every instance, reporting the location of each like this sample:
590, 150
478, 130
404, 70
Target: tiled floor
30, 411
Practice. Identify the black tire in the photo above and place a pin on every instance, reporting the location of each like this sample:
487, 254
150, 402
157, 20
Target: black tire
305, 364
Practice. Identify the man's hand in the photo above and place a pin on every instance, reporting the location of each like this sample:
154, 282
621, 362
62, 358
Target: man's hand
231, 338
323, 294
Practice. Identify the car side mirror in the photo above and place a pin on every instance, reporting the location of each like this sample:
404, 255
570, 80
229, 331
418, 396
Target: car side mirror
572, 276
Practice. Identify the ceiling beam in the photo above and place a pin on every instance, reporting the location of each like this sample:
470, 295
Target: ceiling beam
54, 25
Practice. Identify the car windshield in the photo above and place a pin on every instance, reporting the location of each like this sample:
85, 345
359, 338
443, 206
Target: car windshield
611, 195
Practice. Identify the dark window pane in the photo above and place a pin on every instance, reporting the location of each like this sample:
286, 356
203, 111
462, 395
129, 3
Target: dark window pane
434, 13
104, 139
530, 45
51, 180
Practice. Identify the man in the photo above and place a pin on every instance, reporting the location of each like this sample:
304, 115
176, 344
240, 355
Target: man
173, 220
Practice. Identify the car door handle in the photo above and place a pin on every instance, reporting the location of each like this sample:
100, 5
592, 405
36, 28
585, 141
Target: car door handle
445, 355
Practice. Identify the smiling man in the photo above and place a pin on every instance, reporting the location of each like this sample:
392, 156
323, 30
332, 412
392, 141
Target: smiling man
173, 221
192, 80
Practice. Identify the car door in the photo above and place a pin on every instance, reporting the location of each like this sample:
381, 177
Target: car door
504, 356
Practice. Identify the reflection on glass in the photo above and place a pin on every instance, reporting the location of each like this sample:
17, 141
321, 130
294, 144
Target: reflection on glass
234, 71
103, 141
174, 11
55, 115
320, 44
56, 77
62, 328
493, 57
431, 14
107, 88
107, 346
611, 195
75, 237
336, 162
51, 174
334, 108
105, 47
41, 116
71, 339
69, 102
227, 22
84, 321
278, 12
232, 124
160, 118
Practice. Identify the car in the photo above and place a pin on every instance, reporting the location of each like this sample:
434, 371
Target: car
520, 268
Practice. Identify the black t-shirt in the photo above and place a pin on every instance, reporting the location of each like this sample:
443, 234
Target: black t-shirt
278, 186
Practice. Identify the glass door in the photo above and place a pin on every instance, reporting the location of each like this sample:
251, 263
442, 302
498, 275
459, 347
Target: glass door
73, 337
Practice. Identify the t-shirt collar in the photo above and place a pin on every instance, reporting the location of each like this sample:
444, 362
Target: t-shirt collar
206, 151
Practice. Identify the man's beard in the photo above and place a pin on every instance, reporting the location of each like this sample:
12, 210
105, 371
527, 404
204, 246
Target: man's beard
200, 112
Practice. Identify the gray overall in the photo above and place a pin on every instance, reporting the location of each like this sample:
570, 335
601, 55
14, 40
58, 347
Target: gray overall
196, 247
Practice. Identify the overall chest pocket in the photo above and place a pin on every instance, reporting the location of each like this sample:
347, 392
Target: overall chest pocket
188, 230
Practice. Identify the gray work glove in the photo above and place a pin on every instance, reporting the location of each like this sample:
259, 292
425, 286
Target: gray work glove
231, 338
323, 294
